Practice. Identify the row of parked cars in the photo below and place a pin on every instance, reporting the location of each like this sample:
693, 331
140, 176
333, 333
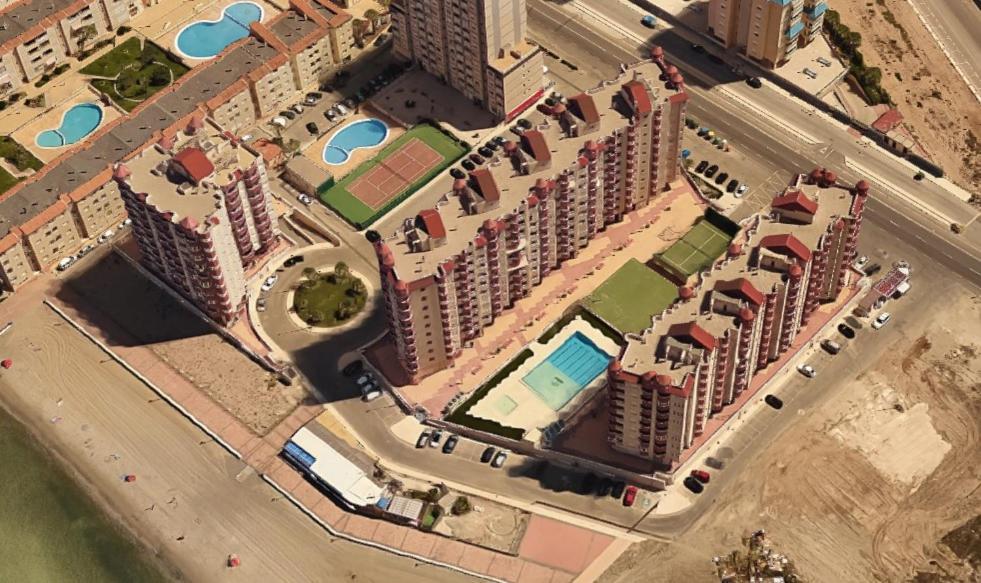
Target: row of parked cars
67, 262
368, 385
710, 171
482, 155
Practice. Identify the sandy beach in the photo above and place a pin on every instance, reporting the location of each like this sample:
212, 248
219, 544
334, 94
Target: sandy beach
192, 503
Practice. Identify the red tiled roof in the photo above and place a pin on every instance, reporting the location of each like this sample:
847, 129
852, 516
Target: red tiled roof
195, 163
695, 333
786, 245
888, 120
585, 108
795, 200
741, 287
486, 185
432, 223
534, 142
638, 95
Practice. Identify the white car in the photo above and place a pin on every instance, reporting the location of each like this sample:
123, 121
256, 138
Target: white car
297, 108
260, 305
364, 380
807, 370
341, 109
741, 190
126, 222
270, 282
278, 121
861, 261
305, 199
371, 394
882, 320
85, 250
66, 263
106, 236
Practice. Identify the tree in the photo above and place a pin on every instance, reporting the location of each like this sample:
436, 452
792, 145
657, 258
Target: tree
309, 272
461, 506
341, 270
84, 35
359, 28
159, 77
373, 17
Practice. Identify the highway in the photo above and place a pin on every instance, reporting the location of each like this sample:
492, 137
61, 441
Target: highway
770, 128
954, 25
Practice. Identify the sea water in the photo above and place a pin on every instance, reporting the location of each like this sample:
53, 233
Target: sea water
50, 529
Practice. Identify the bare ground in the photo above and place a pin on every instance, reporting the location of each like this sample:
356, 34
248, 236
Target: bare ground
850, 509
937, 105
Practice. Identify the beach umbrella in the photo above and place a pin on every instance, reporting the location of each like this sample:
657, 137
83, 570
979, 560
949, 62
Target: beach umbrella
234, 561
7, 363
130, 478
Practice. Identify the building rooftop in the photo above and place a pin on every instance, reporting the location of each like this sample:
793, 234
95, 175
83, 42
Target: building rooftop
292, 28
546, 140
736, 279
114, 141
511, 57
20, 17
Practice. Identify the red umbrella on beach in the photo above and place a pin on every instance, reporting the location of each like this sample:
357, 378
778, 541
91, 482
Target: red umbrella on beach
7, 363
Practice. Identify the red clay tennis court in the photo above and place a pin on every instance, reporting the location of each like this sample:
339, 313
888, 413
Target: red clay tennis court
395, 173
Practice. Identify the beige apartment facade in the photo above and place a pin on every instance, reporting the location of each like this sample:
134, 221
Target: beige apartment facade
767, 31
477, 46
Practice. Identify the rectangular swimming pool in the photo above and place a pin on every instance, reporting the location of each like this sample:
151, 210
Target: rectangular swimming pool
573, 365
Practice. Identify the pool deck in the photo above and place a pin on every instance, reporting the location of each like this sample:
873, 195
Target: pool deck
315, 151
530, 412
50, 119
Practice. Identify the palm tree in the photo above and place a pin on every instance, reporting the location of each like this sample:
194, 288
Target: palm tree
372, 16
84, 35
358, 27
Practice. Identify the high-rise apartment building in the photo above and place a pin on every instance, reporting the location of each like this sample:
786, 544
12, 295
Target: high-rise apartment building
768, 31
702, 352
451, 270
477, 46
199, 205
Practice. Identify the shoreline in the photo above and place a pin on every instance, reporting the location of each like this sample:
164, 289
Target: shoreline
88, 488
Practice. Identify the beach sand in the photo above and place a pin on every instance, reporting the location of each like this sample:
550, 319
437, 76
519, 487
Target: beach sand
106, 424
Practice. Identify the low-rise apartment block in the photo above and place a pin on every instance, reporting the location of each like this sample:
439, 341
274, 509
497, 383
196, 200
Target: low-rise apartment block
199, 205
38, 35
451, 270
734, 320
768, 31
477, 46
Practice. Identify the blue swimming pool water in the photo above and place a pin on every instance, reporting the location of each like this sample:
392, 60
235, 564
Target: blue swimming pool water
78, 122
365, 133
565, 372
206, 38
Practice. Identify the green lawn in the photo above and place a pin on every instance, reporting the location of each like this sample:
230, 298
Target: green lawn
327, 299
361, 215
7, 180
18, 155
631, 296
132, 74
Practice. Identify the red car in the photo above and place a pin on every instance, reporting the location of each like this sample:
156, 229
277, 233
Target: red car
701, 475
630, 496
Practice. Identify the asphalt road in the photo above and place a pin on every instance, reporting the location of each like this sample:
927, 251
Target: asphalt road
955, 24
760, 132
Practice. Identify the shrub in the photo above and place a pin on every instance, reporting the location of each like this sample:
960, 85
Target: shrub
3, 105
309, 272
159, 77
60, 69
302, 304
461, 506
122, 30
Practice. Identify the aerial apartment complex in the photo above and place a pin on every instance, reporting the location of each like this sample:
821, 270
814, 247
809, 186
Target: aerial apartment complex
478, 47
199, 205
38, 35
767, 31
451, 270
74, 197
732, 321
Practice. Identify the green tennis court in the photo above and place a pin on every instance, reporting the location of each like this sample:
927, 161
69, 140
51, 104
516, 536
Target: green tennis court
701, 246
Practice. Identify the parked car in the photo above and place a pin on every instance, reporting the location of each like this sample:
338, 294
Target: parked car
485, 152
487, 455
304, 199
85, 250
830, 346
435, 438
604, 487
364, 379
308, 101
861, 261
476, 158
499, 459
630, 496
702, 166
741, 190
701, 475
468, 165
617, 490
694, 485
353, 368
126, 222
492, 145
370, 394
260, 305
315, 95
587, 484
697, 48
329, 116
296, 107
312, 128
270, 282
347, 104
846, 331
721, 178
287, 114
731, 187
457, 173
423, 440
499, 140
882, 320
66, 263
773, 401
450, 444
807, 370
715, 463
106, 235
754, 82
325, 86
873, 269
711, 171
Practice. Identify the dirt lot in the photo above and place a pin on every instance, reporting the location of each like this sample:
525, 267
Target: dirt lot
146, 315
489, 524
865, 486
939, 109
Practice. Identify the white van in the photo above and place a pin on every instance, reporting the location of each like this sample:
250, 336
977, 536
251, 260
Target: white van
278, 121
901, 290
66, 263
